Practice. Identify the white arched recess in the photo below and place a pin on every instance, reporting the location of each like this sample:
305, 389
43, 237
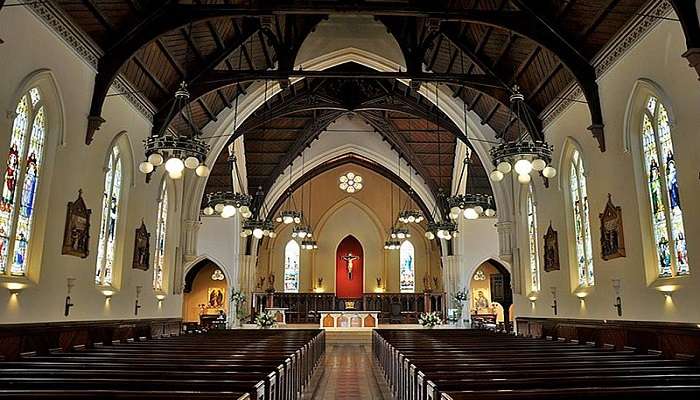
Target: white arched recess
221, 130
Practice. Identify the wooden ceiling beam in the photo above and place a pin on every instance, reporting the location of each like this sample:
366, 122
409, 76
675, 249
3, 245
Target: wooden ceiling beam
314, 127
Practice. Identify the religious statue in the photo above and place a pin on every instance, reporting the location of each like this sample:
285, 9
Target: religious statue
261, 282
379, 281
270, 283
349, 258
427, 284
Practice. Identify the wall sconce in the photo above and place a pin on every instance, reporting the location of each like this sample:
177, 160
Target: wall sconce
108, 293
617, 285
667, 290
70, 283
137, 305
532, 297
15, 288
553, 289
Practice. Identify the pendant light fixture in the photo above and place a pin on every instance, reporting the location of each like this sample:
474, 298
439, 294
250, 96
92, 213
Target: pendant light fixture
409, 215
442, 229
471, 205
524, 154
258, 226
174, 151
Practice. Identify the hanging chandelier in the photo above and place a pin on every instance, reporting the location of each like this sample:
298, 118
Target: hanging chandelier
308, 244
400, 233
411, 216
392, 245
445, 230
524, 154
290, 216
258, 226
472, 206
301, 232
226, 204
176, 152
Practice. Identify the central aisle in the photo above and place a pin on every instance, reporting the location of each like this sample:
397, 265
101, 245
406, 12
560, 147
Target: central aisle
347, 372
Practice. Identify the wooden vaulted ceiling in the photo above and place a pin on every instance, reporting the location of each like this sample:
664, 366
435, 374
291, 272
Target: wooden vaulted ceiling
480, 48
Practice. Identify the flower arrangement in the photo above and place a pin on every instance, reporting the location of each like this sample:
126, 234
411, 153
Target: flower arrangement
460, 297
238, 297
265, 320
429, 320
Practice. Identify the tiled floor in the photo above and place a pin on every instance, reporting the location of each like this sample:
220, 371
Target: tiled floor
348, 372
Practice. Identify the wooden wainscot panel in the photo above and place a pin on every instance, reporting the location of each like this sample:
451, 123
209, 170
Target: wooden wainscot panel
671, 338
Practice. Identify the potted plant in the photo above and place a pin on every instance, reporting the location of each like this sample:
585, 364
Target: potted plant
430, 320
265, 320
238, 298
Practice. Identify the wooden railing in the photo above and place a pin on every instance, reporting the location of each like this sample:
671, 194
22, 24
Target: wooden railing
393, 307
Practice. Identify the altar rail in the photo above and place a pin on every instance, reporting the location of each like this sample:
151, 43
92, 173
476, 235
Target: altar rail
400, 308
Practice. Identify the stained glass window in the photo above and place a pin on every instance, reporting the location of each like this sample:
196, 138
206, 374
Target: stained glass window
407, 267
582, 226
664, 196
291, 267
532, 241
161, 234
24, 162
108, 224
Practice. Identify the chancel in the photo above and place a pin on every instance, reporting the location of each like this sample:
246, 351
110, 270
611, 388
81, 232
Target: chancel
385, 199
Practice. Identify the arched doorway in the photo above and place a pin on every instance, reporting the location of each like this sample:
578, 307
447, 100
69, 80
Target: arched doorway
349, 269
491, 295
205, 295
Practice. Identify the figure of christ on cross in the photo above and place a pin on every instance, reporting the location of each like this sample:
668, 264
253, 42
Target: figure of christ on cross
349, 258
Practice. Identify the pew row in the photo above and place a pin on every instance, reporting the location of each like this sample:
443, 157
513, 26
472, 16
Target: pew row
239, 365
458, 364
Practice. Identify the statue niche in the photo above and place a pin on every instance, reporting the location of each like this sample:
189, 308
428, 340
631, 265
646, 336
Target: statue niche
349, 272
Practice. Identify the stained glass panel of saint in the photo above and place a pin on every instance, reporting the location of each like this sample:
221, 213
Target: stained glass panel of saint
532, 241
664, 195
582, 228
291, 267
108, 223
407, 267
22, 171
161, 233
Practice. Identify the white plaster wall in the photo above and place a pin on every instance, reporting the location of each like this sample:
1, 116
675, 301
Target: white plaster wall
658, 58
477, 242
30, 46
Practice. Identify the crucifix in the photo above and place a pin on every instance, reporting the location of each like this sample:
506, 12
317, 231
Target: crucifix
349, 258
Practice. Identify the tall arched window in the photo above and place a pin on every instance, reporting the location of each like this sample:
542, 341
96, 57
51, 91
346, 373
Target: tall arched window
161, 237
24, 162
532, 241
582, 226
407, 268
664, 196
291, 267
107, 242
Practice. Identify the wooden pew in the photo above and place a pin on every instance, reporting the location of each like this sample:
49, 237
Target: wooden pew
475, 364
241, 364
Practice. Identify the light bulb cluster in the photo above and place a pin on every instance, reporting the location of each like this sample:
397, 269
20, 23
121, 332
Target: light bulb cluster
290, 216
309, 244
176, 154
400, 233
522, 158
392, 244
471, 206
411, 216
445, 230
351, 182
258, 229
227, 204
301, 232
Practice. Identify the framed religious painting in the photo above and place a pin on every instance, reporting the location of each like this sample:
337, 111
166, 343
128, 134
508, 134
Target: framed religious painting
142, 248
551, 250
76, 235
612, 236
215, 298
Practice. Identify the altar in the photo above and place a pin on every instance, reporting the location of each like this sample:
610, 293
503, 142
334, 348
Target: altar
349, 319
